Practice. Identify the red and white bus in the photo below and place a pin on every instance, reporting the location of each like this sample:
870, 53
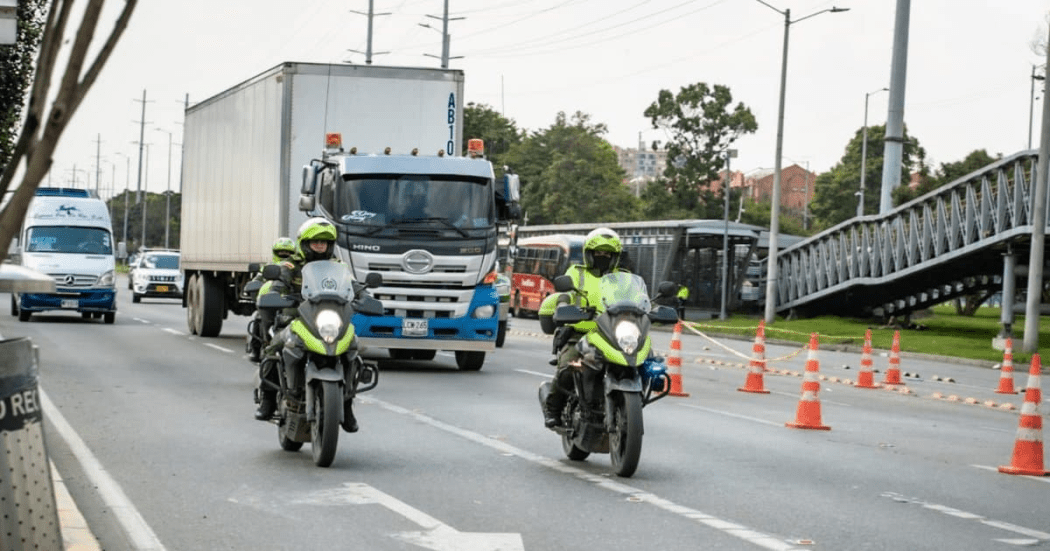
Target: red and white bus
537, 261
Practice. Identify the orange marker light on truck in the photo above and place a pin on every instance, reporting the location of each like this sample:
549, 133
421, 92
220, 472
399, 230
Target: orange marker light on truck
475, 148
333, 140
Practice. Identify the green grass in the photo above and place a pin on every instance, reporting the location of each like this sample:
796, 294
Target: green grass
944, 333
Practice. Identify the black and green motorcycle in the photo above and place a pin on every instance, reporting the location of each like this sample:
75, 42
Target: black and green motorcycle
617, 375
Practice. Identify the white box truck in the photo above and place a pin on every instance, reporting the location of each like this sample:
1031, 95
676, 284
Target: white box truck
257, 163
67, 234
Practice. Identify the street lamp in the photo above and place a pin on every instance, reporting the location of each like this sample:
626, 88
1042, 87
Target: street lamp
127, 191
730, 153
864, 152
774, 218
1031, 102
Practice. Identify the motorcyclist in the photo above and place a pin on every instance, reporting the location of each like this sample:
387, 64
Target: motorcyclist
283, 247
316, 241
601, 255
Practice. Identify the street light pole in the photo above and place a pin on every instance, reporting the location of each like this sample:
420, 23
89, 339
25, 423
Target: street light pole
730, 153
774, 218
167, 212
864, 152
1031, 103
127, 192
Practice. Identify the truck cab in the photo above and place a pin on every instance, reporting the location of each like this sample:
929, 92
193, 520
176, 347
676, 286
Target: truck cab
67, 234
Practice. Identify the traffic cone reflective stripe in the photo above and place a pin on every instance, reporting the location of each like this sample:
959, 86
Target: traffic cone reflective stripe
674, 362
893, 373
866, 377
808, 414
1028, 446
1006, 374
754, 381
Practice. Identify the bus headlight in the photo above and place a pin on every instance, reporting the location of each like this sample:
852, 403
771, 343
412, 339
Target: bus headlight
628, 336
486, 311
328, 325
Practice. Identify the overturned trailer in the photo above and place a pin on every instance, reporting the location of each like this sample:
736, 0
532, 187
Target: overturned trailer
688, 252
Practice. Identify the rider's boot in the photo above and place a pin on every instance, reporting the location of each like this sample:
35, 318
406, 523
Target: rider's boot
267, 405
553, 407
349, 421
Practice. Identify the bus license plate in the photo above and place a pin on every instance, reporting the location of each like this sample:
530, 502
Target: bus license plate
70, 303
162, 288
414, 328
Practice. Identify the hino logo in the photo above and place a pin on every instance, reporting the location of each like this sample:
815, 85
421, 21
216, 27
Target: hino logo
363, 247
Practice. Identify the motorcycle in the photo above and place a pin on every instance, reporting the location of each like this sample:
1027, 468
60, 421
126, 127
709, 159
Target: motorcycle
617, 374
312, 391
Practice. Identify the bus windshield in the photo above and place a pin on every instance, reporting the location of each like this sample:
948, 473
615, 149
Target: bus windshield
68, 239
537, 261
453, 202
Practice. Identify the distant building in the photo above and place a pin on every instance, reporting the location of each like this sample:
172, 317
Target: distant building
641, 163
796, 186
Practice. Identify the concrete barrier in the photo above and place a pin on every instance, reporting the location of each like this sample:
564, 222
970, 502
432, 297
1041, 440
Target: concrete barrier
28, 514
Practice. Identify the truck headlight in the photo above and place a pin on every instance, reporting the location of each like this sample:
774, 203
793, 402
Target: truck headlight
486, 311
106, 279
628, 336
328, 325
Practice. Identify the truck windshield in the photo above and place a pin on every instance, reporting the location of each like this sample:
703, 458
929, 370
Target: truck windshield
68, 239
452, 203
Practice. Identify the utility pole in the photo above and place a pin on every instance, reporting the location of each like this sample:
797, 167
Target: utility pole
368, 49
1036, 251
146, 201
142, 136
445, 39
98, 166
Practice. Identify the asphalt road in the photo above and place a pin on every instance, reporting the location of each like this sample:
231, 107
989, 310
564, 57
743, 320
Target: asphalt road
454, 460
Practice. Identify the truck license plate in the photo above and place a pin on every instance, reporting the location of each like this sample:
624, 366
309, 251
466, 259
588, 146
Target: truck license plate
70, 303
414, 328
162, 288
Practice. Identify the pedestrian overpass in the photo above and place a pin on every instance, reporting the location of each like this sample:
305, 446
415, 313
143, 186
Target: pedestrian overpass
950, 242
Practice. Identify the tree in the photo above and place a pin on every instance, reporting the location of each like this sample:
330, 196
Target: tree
701, 125
16, 72
570, 174
40, 132
948, 173
835, 191
498, 132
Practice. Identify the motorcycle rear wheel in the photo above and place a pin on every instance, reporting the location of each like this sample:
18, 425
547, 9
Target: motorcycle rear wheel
625, 440
324, 432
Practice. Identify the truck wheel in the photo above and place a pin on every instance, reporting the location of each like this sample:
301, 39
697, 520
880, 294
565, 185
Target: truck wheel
109, 317
14, 306
501, 334
192, 305
23, 315
470, 360
211, 306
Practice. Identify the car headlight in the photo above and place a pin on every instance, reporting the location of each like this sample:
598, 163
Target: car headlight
106, 279
628, 336
328, 325
485, 311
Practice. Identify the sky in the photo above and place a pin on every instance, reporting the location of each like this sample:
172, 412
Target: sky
969, 68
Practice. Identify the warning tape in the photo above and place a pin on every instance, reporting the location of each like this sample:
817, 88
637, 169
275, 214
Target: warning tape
741, 355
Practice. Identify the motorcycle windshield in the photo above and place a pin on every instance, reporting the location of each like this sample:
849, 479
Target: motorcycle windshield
324, 277
623, 291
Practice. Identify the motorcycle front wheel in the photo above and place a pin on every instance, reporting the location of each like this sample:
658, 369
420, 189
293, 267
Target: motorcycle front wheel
324, 432
625, 439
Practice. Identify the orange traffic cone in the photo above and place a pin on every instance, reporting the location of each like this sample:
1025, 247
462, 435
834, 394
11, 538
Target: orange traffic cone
1028, 447
893, 373
808, 415
674, 362
758, 362
866, 377
1006, 374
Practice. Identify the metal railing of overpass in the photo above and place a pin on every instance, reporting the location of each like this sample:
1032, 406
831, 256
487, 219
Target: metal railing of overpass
947, 243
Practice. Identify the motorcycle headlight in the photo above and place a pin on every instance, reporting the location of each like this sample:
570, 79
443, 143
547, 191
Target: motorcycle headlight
328, 325
628, 336
485, 311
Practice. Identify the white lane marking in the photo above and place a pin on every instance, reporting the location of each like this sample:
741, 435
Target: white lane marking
1029, 477
727, 414
174, 332
140, 320
436, 535
970, 516
633, 494
139, 533
219, 348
